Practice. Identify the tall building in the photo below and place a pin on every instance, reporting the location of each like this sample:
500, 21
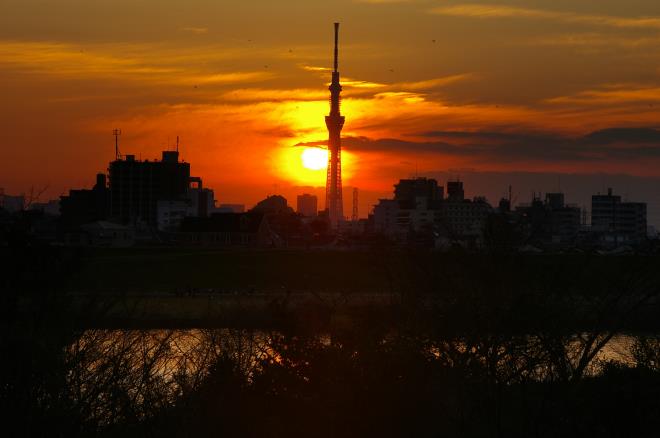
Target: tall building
418, 209
334, 122
202, 200
551, 222
617, 222
137, 186
455, 191
409, 189
84, 206
464, 218
307, 205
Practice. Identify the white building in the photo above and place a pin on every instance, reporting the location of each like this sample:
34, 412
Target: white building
103, 233
425, 213
170, 214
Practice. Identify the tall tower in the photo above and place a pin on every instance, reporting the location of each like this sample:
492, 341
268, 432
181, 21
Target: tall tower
334, 121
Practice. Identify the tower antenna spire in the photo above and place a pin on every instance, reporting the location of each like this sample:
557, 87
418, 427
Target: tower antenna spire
334, 122
336, 64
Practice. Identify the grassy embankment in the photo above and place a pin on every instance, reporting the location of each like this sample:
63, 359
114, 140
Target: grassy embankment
188, 287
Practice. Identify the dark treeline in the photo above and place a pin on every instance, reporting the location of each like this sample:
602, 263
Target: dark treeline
512, 346
241, 383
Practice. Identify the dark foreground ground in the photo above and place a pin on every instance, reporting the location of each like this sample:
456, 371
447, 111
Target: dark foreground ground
183, 288
386, 343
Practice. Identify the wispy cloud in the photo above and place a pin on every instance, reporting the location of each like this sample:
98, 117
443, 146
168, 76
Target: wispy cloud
486, 11
379, 87
230, 77
138, 62
380, 2
315, 68
348, 82
434, 83
65, 60
273, 95
497, 147
594, 39
612, 94
195, 30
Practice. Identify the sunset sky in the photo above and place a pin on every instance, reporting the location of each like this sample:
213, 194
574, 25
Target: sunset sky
541, 94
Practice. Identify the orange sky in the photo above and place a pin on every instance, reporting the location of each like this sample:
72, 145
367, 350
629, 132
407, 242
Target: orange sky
429, 87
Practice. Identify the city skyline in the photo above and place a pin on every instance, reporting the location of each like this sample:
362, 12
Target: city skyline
207, 230
478, 89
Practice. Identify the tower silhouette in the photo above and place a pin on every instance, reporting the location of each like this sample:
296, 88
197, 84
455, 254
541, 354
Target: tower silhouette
334, 122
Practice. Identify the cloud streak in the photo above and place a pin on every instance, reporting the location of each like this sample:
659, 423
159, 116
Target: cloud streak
486, 11
195, 30
611, 95
607, 145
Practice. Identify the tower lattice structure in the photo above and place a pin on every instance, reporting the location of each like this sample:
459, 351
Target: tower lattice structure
334, 122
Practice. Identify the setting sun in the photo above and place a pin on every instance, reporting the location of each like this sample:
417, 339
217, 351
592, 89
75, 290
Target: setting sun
314, 158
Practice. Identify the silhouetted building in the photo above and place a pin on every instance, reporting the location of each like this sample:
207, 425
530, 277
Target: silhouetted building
137, 186
12, 204
307, 205
564, 220
410, 189
84, 206
230, 208
616, 222
226, 229
51, 207
455, 191
273, 205
202, 201
504, 205
171, 213
393, 219
414, 209
462, 219
418, 211
103, 234
550, 222
554, 200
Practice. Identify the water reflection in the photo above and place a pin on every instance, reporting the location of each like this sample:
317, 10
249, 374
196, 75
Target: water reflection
123, 377
157, 366
131, 373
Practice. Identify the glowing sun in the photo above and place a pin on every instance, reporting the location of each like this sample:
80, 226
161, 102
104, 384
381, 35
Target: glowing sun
314, 158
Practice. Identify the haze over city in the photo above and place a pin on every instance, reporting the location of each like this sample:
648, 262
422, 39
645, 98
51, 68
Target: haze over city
521, 93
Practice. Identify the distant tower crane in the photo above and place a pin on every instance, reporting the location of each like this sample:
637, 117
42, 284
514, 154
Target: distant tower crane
354, 216
117, 132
